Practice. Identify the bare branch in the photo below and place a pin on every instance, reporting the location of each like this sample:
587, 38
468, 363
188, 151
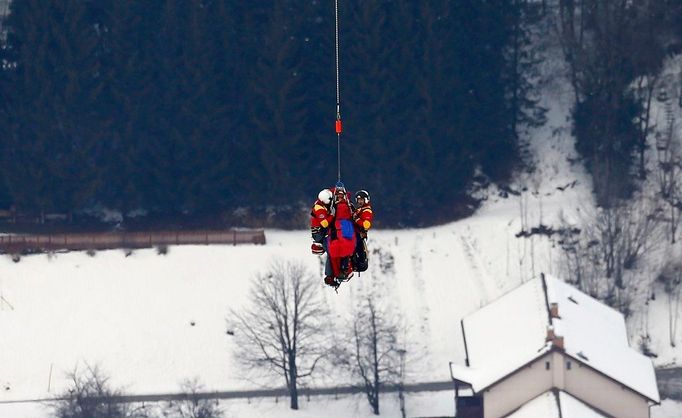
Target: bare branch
281, 330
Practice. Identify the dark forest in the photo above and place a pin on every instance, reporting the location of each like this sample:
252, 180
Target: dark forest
208, 108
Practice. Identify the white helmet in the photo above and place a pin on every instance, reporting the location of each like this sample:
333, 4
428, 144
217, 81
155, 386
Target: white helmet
325, 196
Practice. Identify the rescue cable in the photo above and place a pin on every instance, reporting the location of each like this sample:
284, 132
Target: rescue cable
338, 90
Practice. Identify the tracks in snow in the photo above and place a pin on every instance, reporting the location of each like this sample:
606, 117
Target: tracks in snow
489, 285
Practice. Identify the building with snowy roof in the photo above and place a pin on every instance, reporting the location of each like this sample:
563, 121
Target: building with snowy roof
546, 349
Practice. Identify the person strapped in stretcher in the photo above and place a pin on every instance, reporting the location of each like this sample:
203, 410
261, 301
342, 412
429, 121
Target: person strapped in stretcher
339, 228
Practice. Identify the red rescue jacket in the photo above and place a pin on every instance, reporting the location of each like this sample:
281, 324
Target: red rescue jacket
363, 217
320, 215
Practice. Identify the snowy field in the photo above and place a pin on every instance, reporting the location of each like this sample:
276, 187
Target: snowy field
421, 404
133, 315
151, 321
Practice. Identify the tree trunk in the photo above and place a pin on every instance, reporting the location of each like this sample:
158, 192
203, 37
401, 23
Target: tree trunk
673, 224
377, 379
293, 389
375, 362
375, 400
644, 127
567, 18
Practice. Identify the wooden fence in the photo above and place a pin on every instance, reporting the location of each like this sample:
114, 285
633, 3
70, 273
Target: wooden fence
16, 244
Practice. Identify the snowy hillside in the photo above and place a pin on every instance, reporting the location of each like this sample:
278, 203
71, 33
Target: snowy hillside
153, 320
133, 315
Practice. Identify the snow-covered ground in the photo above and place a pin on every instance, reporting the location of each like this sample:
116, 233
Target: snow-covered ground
151, 321
133, 315
356, 406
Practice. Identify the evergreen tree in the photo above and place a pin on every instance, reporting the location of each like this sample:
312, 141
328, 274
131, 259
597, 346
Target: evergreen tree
162, 150
521, 73
224, 164
443, 147
277, 105
606, 111
187, 152
317, 72
483, 24
369, 142
5, 109
131, 72
201, 106
50, 162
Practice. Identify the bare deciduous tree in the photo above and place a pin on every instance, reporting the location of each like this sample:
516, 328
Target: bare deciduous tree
194, 405
614, 54
645, 86
669, 173
374, 350
90, 396
578, 261
610, 244
671, 277
281, 332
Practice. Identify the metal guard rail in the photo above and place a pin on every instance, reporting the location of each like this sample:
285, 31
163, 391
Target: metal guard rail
112, 240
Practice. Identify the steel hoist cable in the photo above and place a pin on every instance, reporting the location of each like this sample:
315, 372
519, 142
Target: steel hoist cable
339, 127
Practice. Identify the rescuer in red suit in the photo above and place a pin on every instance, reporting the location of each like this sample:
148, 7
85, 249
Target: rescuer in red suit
320, 218
362, 216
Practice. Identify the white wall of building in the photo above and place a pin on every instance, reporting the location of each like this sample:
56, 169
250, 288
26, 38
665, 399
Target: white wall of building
603, 393
553, 371
518, 388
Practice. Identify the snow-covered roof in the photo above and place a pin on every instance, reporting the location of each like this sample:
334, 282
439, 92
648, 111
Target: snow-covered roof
556, 404
596, 335
504, 335
592, 332
518, 321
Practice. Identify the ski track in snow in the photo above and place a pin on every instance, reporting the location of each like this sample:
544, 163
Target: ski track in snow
420, 287
478, 276
490, 277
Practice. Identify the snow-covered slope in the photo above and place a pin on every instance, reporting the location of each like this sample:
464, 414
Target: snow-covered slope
134, 315
151, 321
